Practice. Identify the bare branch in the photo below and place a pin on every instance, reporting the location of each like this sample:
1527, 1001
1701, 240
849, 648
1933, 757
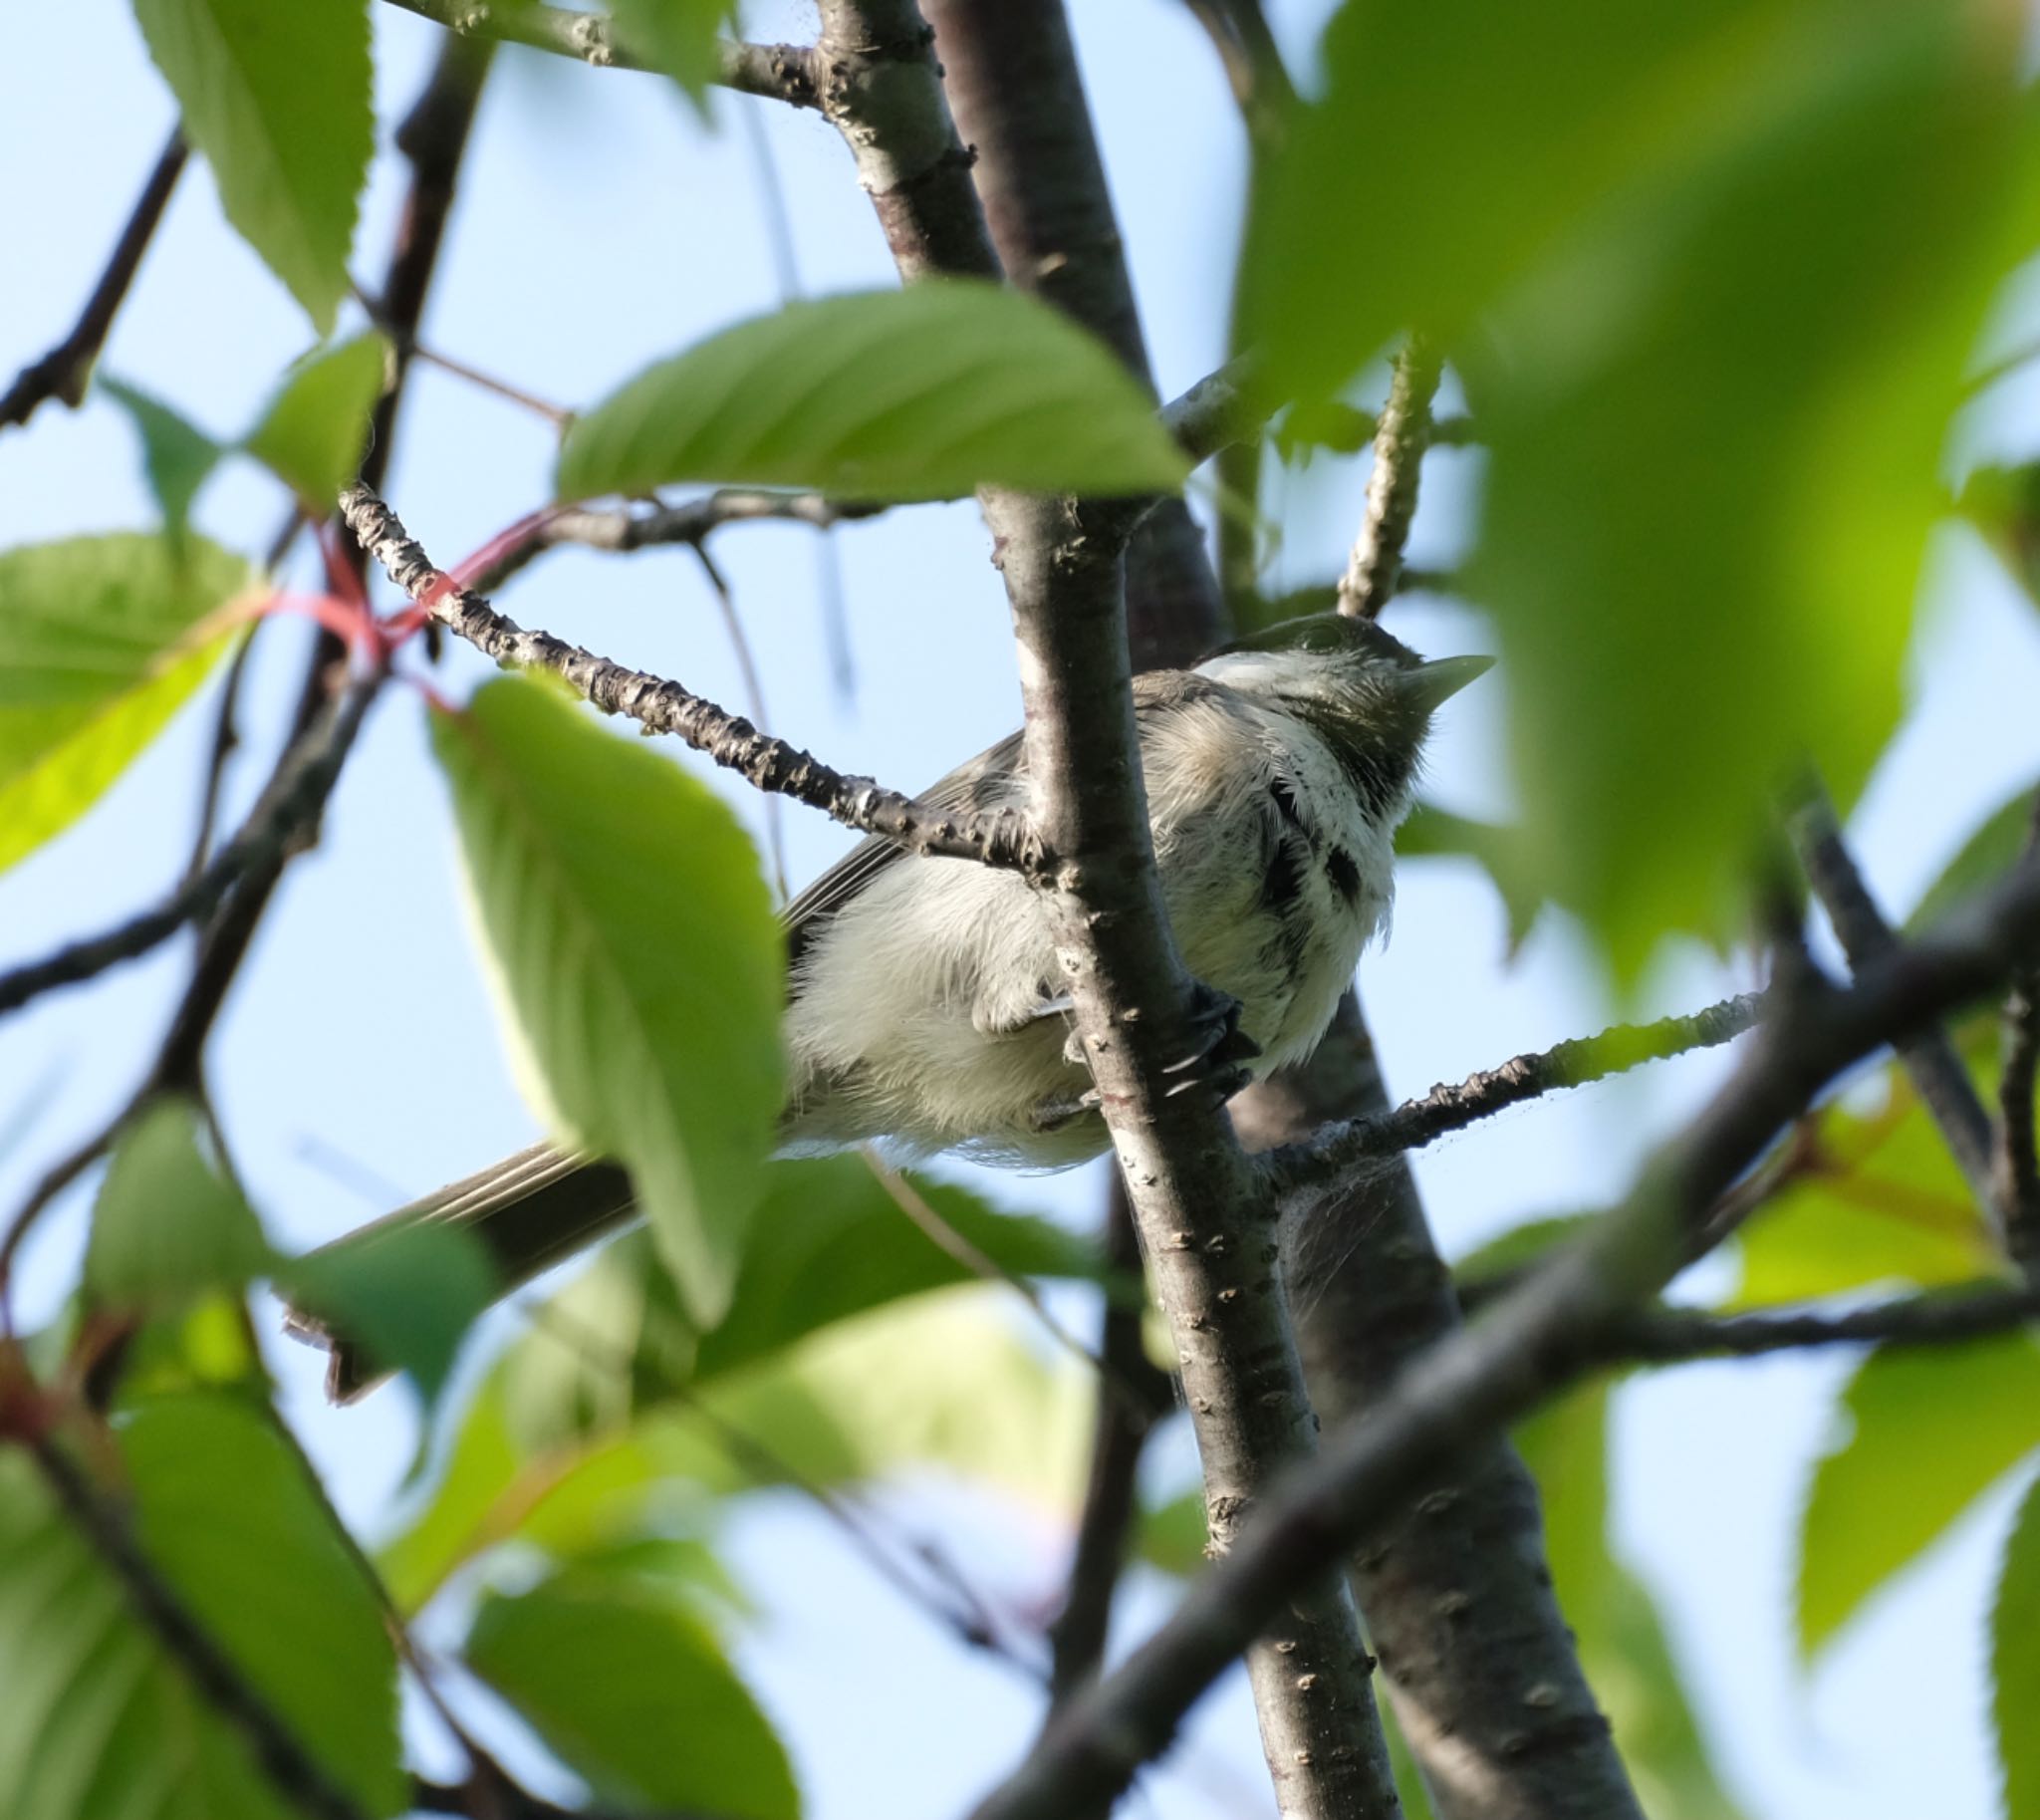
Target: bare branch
776, 71
1334, 1149
630, 528
1004, 839
1402, 435
1344, 429
1534, 1342
1215, 412
290, 804
1929, 1059
65, 371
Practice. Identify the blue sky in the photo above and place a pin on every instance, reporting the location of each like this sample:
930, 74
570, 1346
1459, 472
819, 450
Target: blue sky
601, 226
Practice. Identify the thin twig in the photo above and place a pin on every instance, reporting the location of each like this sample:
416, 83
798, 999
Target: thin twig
1576, 1062
65, 371
227, 741
1003, 839
1928, 1058
2014, 1166
775, 72
558, 416
1533, 1344
302, 1782
1344, 429
292, 802
754, 699
1402, 435
624, 529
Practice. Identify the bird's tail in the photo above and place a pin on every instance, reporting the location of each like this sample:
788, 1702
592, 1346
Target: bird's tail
531, 1211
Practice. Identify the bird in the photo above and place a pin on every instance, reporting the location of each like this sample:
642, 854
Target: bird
924, 1009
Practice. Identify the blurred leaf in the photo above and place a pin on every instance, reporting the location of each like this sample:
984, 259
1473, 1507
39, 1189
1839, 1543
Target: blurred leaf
167, 1227
681, 37
1435, 833
209, 1345
98, 1721
2015, 1662
1985, 856
177, 455
1925, 1434
101, 642
1172, 1535
1409, 1788
312, 435
925, 393
1881, 1204
635, 1695
1623, 1648
2003, 504
1714, 430
409, 1294
636, 958
1554, 112
278, 100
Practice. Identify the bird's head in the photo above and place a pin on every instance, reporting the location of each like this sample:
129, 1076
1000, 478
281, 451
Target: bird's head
1364, 693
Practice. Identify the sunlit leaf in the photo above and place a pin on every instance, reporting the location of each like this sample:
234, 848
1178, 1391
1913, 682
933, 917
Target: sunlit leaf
635, 1694
167, 1227
925, 393
177, 455
99, 1722
312, 434
1715, 433
679, 37
1926, 1431
2015, 1662
636, 956
100, 642
278, 99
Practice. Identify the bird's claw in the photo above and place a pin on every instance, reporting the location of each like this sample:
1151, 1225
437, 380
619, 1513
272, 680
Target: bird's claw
1213, 1018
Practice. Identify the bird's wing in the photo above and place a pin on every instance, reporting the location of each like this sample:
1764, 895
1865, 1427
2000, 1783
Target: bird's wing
963, 789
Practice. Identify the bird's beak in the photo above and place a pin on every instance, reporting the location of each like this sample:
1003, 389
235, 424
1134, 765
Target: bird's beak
1441, 678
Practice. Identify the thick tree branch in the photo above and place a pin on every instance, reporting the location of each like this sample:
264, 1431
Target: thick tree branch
1535, 1341
1195, 1200
1929, 1059
1333, 1148
66, 369
290, 804
662, 706
302, 1782
775, 72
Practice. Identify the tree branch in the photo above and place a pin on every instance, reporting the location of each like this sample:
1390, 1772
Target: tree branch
290, 804
1929, 1059
65, 371
2014, 1166
1333, 1148
775, 72
1536, 1340
1195, 1200
1003, 839
1401, 436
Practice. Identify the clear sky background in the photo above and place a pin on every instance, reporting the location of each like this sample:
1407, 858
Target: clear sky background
600, 225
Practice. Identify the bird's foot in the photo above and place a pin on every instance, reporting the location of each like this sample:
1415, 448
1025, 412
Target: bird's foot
1219, 1061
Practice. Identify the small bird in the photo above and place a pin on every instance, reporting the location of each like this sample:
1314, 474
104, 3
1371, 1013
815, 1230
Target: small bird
922, 1004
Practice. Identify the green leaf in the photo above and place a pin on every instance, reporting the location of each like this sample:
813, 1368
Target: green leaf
1724, 409
409, 1294
177, 455
167, 1227
1985, 856
1881, 1204
681, 37
99, 1721
635, 955
101, 640
278, 99
313, 433
635, 1695
2015, 1662
923, 393
1927, 1432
